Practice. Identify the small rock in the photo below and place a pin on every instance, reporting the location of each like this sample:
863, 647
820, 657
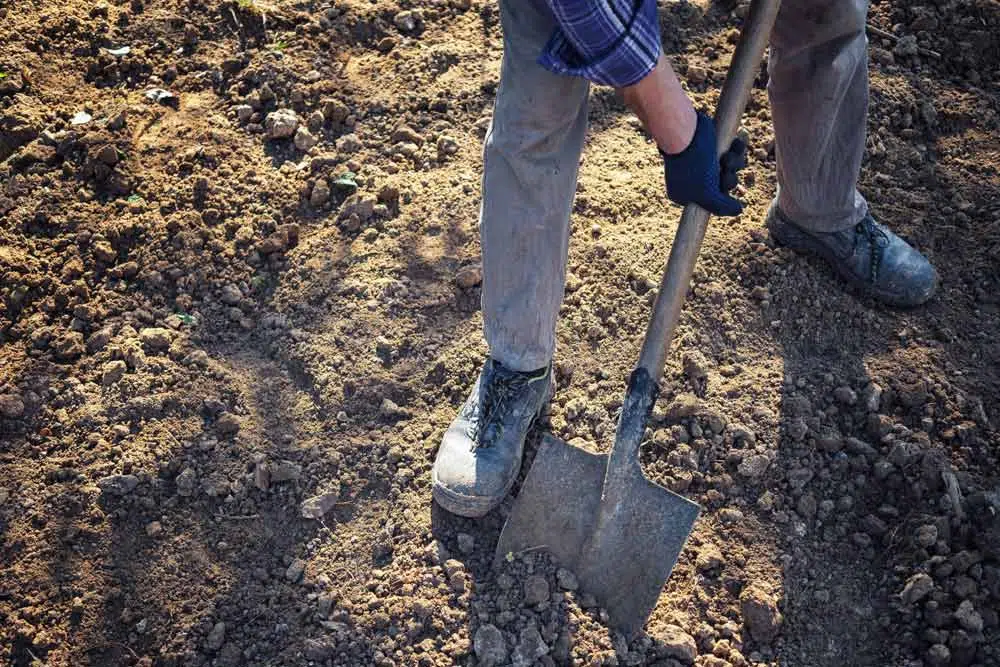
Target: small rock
317, 506
567, 580
216, 637
406, 134
489, 646
696, 369
243, 113
536, 590
304, 139
845, 395
676, 644
112, 372
316, 121
754, 467
68, 346
938, 655
709, 558
927, 535
696, 74
11, 407
681, 407
231, 295
262, 476
917, 587
281, 124
407, 20
968, 617
446, 146
760, 613
154, 528
108, 154
349, 143
156, 339
530, 647
186, 482
469, 276
227, 424
388, 408
466, 543
118, 485
295, 570
320, 193
335, 111
319, 650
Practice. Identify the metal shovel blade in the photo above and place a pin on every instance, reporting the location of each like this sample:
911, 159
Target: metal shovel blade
625, 563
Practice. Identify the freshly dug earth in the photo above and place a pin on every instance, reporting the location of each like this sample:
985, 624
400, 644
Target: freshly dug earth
235, 322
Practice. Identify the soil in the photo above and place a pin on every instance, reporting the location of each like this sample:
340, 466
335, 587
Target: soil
231, 342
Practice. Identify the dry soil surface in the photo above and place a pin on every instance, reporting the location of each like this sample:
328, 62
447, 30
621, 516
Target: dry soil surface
236, 319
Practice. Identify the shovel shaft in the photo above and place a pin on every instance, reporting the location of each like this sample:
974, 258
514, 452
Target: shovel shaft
691, 229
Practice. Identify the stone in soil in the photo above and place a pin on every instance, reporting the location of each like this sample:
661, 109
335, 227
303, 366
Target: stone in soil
304, 139
489, 646
156, 339
927, 535
938, 655
285, 471
754, 466
709, 558
530, 647
917, 587
112, 372
674, 643
186, 482
317, 506
536, 590
68, 346
469, 276
227, 424
760, 613
281, 124
216, 637
118, 485
295, 570
968, 617
11, 407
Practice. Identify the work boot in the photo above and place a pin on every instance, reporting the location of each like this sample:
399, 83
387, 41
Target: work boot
868, 256
480, 453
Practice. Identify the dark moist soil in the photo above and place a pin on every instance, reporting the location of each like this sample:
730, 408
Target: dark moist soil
231, 346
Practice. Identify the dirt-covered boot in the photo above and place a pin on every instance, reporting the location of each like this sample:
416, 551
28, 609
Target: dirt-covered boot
480, 453
868, 256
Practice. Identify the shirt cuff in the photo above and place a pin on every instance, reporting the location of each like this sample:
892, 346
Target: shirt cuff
609, 46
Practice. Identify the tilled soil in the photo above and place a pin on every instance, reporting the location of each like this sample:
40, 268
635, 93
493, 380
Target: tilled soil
237, 319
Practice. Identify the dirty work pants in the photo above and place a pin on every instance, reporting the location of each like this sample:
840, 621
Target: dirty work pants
819, 102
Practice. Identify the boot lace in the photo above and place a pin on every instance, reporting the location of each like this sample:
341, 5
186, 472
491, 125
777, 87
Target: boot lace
877, 241
502, 386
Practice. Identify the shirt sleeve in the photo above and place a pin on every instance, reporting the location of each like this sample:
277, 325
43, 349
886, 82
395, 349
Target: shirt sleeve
610, 42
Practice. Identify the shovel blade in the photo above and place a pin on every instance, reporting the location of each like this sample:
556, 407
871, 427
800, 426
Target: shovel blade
631, 553
558, 503
625, 561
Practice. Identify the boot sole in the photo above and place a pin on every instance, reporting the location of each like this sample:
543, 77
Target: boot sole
476, 507
786, 235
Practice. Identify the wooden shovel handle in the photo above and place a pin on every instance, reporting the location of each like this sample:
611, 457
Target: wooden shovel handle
691, 229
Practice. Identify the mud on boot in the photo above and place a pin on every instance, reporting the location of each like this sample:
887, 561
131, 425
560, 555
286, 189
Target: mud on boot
480, 454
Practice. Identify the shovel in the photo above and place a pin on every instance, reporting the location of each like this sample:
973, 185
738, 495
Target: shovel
598, 515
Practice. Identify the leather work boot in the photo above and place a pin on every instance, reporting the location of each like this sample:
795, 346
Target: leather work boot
868, 256
480, 454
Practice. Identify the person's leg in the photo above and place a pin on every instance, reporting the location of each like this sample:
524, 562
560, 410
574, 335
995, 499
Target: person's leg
530, 161
818, 67
818, 87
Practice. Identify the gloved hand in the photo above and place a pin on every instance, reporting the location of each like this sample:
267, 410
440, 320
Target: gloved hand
695, 175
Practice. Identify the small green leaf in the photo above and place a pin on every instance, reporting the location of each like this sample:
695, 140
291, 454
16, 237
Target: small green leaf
185, 318
509, 557
346, 181
133, 199
3, 75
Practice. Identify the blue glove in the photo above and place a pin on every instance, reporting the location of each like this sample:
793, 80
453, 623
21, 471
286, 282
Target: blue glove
695, 175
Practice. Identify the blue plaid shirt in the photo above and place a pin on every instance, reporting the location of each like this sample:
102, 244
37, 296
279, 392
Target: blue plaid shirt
610, 42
